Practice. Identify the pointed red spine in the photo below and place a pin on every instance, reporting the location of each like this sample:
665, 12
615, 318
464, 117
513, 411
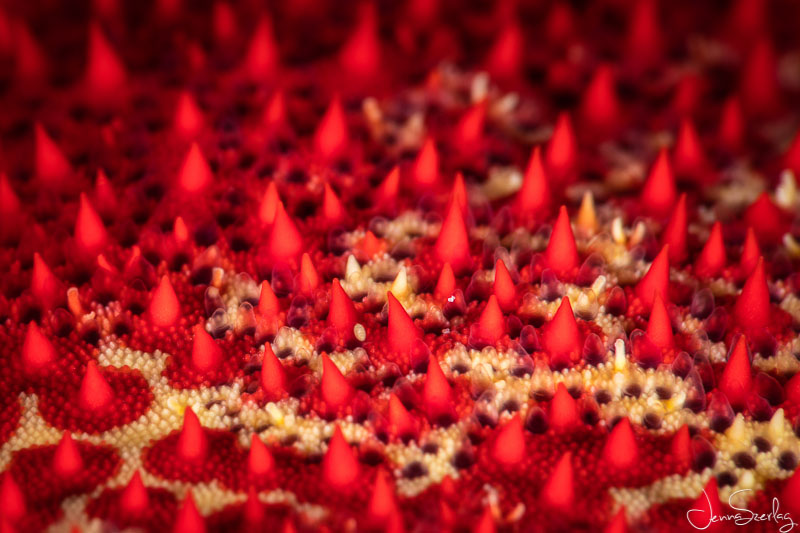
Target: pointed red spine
533, 198
273, 376
285, 242
425, 172
712, 258
188, 117
165, 310
752, 308
599, 106
386, 194
675, 234
340, 468
260, 461
437, 392
658, 192
261, 59
195, 174
751, 252
336, 390
95, 394
189, 519
680, 448
402, 333
268, 304
342, 313
621, 451
706, 508
360, 55
506, 56
192, 445
690, 159
504, 288
508, 448
309, 279
38, 353
562, 338
644, 41
767, 220
12, 501
446, 285
52, 166
105, 74
331, 137
491, 325
133, 499
736, 380
332, 208
269, 204
561, 254
452, 245
731, 133
659, 328
90, 234
469, 130
401, 423
563, 412
558, 492
656, 280
206, 353
67, 461
561, 154
383, 502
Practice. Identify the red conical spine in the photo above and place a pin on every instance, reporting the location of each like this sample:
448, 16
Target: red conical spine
736, 381
452, 245
268, 304
533, 198
308, 279
332, 208
675, 233
508, 448
336, 390
561, 254
269, 204
38, 353
690, 158
52, 166
105, 74
165, 310
446, 285
192, 445
360, 56
95, 393
656, 280
712, 258
437, 392
261, 59
491, 325
189, 519
195, 174
752, 308
342, 313
403, 333
12, 501
599, 106
704, 513
340, 468
659, 193
504, 288
659, 328
331, 137
562, 338
67, 461
260, 461
425, 172
731, 132
273, 376
134, 500
383, 501
561, 154
90, 234
206, 353
506, 55
621, 451
285, 242
558, 492
563, 413
401, 423
188, 117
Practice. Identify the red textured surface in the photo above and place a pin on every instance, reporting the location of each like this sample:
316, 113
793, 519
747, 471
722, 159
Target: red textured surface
159, 163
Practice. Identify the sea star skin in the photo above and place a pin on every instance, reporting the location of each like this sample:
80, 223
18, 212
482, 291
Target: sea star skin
403, 267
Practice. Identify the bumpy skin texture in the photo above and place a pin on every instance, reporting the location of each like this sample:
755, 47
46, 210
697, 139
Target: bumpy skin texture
164, 177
